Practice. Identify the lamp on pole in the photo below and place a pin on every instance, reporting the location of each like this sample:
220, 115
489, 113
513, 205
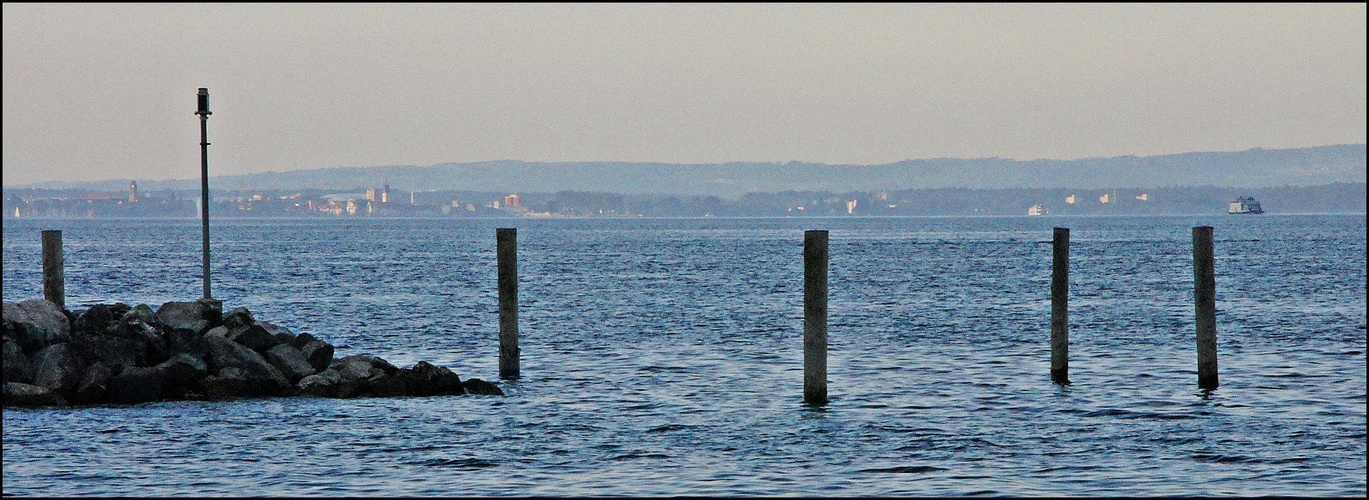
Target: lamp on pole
204, 179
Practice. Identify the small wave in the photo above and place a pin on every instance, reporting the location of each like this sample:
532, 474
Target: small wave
475, 463
1218, 458
629, 456
671, 427
911, 469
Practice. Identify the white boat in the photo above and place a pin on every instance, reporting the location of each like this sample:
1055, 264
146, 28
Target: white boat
1244, 205
1037, 209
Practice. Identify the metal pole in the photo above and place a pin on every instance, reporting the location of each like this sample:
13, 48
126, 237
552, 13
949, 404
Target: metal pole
54, 283
815, 317
1060, 304
1205, 306
506, 242
204, 180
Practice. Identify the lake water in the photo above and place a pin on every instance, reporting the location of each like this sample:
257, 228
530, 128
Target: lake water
664, 357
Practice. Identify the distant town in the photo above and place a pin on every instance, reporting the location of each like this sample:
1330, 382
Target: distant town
385, 201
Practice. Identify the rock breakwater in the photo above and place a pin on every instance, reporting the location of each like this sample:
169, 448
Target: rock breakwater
121, 354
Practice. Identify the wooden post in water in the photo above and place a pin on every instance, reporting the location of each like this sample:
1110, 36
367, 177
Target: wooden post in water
815, 317
54, 282
1060, 301
203, 99
507, 249
1205, 306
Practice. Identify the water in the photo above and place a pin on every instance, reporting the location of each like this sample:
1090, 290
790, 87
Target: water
664, 357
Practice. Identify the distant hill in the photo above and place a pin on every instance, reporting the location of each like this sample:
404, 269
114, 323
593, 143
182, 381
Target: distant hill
1253, 168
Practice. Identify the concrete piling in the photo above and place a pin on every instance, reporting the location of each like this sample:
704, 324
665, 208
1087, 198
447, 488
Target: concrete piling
54, 281
815, 317
1205, 306
507, 249
1060, 299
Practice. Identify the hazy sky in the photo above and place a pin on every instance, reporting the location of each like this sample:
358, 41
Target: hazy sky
108, 91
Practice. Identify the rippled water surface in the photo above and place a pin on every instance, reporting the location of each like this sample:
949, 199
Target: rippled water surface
664, 357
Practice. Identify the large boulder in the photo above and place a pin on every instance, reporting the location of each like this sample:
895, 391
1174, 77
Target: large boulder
16, 364
324, 383
21, 394
115, 350
238, 318
424, 379
253, 336
481, 387
318, 352
97, 319
119, 309
182, 375
282, 334
57, 368
94, 386
143, 313
137, 384
290, 362
229, 382
223, 353
154, 346
36, 323
199, 316
187, 341
361, 367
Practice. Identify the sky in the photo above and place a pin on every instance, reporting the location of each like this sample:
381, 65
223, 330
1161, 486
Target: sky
107, 91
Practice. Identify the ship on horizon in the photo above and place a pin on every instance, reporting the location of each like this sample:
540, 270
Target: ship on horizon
1244, 205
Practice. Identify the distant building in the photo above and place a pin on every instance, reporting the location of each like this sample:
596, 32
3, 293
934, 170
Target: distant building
1069, 199
851, 206
1143, 197
512, 201
1103, 198
385, 194
370, 194
132, 191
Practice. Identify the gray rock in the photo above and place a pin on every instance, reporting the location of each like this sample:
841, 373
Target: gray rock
94, 320
213, 311
182, 370
115, 351
318, 352
302, 340
253, 336
119, 309
16, 364
94, 386
384, 386
238, 318
229, 382
29, 338
136, 384
361, 367
424, 379
48, 323
20, 394
183, 340
56, 368
154, 346
223, 353
199, 316
282, 334
289, 361
323, 383
481, 387
143, 313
